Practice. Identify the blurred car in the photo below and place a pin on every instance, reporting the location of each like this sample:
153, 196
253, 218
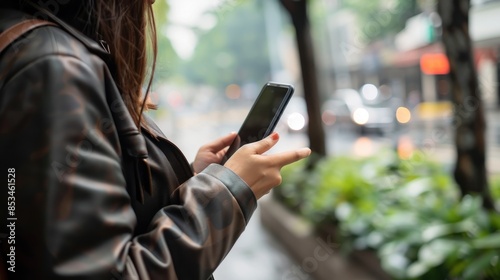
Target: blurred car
340, 108
368, 109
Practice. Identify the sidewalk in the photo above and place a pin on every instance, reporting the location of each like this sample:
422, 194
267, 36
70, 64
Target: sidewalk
493, 141
257, 255
447, 155
436, 139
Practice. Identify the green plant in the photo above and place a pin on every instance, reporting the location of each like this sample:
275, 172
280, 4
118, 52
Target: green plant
408, 211
495, 190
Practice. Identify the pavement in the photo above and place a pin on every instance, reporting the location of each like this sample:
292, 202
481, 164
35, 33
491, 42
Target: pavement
446, 152
493, 146
257, 255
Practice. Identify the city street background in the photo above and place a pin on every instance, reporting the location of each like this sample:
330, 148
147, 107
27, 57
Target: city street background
257, 254
215, 55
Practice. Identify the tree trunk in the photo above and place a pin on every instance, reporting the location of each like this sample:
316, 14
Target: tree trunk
298, 13
469, 122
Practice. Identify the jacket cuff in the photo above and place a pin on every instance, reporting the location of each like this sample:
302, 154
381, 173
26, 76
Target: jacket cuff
238, 188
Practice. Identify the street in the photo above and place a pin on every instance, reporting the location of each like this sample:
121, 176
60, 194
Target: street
190, 130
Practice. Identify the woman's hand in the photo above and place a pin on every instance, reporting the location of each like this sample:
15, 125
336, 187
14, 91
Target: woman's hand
212, 152
262, 172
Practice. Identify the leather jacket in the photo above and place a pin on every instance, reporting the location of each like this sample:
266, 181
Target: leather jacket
95, 197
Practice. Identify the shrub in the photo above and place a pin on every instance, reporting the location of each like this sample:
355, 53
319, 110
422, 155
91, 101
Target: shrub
408, 211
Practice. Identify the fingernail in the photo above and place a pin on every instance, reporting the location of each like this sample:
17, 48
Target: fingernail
305, 152
275, 136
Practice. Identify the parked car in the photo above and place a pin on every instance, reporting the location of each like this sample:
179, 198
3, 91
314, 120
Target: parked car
368, 109
340, 108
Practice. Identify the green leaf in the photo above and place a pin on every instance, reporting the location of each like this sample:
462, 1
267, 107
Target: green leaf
396, 264
470, 205
439, 230
436, 252
478, 266
491, 241
417, 269
416, 187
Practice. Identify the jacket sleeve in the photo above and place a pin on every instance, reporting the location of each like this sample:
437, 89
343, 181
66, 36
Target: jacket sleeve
74, 217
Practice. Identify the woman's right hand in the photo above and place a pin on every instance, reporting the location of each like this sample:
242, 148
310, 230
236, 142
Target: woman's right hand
263, 172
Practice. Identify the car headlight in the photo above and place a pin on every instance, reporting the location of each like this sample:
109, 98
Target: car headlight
360, 116
403, 115
296, 121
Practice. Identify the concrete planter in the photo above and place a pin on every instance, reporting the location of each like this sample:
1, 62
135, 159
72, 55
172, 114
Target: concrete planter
317, 254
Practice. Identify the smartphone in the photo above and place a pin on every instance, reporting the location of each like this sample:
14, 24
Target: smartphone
263, 116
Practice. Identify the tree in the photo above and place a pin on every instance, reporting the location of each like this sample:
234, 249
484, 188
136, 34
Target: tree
379, 18
470, 169
298, 13
167, 59
233, 51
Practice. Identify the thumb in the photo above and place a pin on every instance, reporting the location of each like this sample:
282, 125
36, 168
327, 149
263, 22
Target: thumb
267, 143
221, 143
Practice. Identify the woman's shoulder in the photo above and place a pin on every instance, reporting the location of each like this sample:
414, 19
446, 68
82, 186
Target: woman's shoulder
46, 41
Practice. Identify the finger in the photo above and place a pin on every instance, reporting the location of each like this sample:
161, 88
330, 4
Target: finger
285, 158
221, 143
266, 144
222, 152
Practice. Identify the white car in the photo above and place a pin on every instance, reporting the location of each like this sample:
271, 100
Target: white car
366, 110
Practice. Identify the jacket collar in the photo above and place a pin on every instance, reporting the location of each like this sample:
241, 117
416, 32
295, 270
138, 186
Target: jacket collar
99, 49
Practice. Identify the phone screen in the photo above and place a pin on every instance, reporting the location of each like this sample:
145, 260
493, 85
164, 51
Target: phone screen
263, 116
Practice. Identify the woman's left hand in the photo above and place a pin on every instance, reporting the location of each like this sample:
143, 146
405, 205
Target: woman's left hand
212, 152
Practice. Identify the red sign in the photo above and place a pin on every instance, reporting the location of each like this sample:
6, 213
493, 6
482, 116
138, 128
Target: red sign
434, 64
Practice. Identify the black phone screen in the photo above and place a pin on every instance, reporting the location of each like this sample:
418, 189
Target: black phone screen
263, 116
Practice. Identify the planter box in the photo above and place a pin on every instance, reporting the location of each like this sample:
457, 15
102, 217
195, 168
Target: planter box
316, 256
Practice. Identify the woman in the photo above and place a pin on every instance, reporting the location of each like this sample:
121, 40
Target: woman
98, 191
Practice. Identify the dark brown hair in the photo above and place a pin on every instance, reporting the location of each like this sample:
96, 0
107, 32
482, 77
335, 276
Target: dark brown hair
126, 26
